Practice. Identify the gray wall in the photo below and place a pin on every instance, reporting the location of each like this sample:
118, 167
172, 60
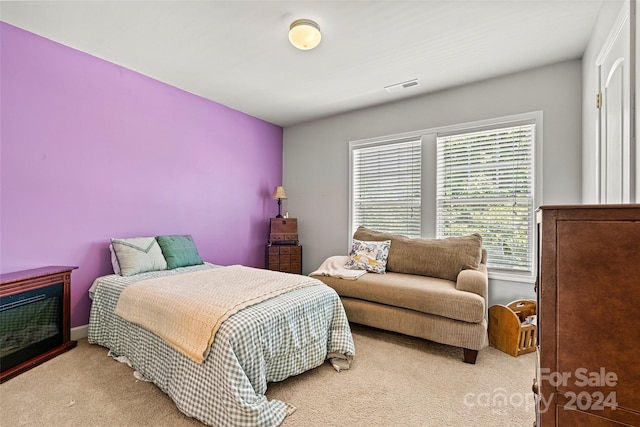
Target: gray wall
608, 14
316, 154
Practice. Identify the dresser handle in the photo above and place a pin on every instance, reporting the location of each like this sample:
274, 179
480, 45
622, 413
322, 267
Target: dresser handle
534, 387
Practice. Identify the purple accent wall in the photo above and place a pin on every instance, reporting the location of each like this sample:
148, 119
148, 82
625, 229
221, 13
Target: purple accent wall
90, 150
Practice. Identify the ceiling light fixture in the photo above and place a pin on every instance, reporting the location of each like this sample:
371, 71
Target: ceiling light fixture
304, 34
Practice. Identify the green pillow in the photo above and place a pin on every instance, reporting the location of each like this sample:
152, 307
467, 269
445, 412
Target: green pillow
179, 251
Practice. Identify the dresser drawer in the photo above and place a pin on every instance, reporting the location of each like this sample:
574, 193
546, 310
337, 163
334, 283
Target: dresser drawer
296, 268
286, 268
274, 259
285, 259
279, 237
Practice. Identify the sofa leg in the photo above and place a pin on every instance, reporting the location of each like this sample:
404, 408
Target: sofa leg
470, 356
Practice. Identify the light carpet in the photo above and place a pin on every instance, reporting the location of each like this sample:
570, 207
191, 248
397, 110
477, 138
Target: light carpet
394, 380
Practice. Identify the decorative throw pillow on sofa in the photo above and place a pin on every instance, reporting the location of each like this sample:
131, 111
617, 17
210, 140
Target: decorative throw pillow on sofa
369, 256
138, 255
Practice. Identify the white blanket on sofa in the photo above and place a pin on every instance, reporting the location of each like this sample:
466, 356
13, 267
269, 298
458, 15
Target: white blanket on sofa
334, 267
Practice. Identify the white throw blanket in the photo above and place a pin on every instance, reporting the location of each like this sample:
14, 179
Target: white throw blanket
334, 267
186, 310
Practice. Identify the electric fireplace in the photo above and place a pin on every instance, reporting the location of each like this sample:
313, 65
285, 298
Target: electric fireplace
34, 318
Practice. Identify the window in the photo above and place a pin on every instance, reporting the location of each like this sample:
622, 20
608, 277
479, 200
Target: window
385, 186
485, 185
481, 177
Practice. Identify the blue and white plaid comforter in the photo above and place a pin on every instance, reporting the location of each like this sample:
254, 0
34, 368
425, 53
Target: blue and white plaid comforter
266, 342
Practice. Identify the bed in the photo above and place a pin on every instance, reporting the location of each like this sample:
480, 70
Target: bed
269, 341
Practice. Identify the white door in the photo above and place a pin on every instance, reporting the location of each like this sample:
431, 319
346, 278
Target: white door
616, 142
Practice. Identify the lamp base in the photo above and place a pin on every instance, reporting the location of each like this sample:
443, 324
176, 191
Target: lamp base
279, 216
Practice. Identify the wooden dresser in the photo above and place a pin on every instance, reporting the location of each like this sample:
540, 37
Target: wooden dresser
588, 370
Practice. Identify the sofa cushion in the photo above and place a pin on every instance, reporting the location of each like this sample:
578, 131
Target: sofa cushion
441, 258
423, 294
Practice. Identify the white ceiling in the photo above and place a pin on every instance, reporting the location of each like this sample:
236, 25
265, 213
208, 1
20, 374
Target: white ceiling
237, 52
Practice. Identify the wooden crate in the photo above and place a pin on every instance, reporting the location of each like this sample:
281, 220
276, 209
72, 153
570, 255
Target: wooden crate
506, 331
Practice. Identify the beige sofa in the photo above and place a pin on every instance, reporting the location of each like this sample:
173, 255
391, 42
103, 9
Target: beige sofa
434, 289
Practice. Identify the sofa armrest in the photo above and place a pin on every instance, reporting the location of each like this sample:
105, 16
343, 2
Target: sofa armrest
476, 281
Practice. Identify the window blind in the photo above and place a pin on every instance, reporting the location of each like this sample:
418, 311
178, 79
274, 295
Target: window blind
485, 185
386, 187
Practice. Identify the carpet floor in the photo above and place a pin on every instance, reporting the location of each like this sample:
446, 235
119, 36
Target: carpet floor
394, 380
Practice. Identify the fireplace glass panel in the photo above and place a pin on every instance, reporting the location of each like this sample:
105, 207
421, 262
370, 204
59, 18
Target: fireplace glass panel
30, 324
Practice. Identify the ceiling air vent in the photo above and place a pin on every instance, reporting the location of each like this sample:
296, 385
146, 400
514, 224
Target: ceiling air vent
402, 86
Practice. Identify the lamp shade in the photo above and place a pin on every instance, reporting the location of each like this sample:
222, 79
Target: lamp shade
278, 193
304, 34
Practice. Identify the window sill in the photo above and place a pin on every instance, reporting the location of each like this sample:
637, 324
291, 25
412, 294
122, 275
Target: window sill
512, 277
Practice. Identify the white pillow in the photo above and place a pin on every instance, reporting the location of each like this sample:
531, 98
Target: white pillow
138, 255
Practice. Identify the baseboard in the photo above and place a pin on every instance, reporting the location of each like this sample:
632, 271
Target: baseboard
79, 332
